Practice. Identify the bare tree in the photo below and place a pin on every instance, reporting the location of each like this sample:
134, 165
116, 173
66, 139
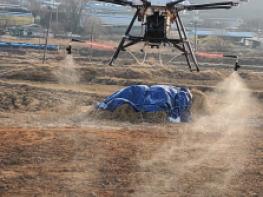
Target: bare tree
93, 27
72, 11
35, 7
39, 11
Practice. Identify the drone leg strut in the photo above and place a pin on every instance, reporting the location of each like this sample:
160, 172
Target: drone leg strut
116, 53
126, 36
184, 47
188, 43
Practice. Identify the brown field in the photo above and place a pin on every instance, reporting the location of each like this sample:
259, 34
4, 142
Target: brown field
53, 142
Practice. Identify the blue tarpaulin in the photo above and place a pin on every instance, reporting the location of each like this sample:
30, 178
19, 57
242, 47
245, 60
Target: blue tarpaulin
176, 101
28, 45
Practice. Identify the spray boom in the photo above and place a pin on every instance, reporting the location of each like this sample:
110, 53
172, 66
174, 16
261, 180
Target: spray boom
237, 65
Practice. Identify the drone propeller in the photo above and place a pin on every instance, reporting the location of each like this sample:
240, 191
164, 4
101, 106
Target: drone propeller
118, 2
173, 3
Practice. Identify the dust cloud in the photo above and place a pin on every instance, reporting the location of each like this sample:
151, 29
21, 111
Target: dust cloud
67, 72
211, 152
67, 75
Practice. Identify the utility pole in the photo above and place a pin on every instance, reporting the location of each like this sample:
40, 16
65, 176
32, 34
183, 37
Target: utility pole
91, 40
195, 24
196, 19
57, 15
47, 33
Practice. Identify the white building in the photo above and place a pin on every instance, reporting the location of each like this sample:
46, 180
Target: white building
50, 3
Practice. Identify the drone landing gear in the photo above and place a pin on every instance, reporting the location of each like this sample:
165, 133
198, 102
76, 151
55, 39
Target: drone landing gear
127, 36
182, 43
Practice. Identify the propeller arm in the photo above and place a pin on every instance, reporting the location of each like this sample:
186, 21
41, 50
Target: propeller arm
208, 6
118, 2
131, 3
224, 3
190, 8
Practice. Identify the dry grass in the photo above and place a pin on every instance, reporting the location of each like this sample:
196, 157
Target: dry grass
53, 143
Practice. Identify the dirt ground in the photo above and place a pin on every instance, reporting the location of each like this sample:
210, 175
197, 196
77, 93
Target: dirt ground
53, 143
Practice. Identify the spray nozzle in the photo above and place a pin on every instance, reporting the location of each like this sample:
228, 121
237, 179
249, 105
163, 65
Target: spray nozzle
69, 49
237, 66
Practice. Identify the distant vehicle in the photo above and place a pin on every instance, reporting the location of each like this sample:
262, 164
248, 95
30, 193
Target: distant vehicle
50, 3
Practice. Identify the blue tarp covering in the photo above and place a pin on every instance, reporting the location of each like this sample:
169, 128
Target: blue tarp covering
176, 101
28, 45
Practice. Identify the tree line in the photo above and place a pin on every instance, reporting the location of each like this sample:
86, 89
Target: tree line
69, 16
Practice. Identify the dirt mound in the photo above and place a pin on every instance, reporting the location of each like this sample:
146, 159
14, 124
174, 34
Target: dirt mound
40, 73
23, 98
252, 75
130, 73
207, 75
126, 113
14, 101
11, 101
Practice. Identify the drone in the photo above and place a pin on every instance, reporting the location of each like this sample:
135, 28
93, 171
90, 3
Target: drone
157, 21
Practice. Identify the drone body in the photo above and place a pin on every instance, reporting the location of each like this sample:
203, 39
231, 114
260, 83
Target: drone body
157, 17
